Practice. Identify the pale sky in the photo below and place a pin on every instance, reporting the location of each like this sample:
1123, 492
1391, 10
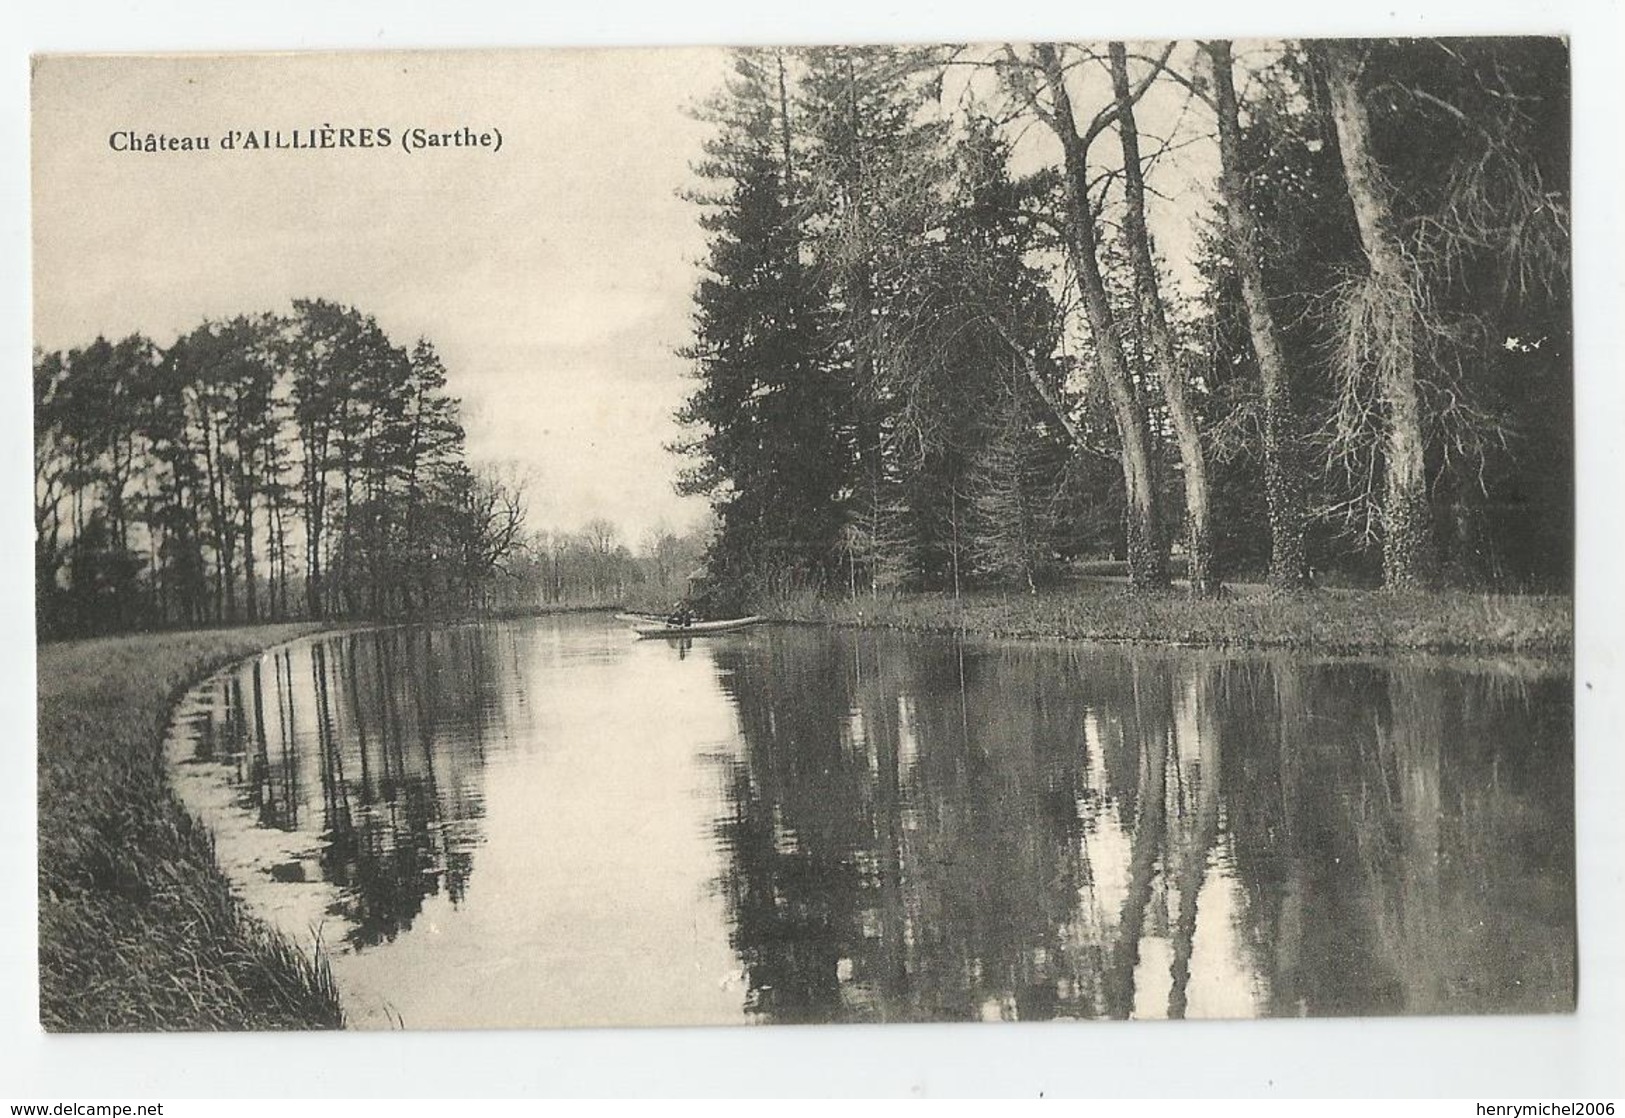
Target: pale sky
554, 276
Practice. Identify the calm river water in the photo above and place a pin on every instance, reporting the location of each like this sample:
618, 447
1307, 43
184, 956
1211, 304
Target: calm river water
547, 822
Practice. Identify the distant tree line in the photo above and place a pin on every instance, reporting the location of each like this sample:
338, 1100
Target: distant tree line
595, 566
935, 342
264, 467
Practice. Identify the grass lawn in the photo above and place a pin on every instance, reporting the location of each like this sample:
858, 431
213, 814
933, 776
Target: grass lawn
1333, 621
138, 927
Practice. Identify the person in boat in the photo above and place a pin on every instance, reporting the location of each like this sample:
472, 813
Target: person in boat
681, 615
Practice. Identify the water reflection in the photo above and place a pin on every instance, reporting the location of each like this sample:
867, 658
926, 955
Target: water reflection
376, 741
547, 822
919, 832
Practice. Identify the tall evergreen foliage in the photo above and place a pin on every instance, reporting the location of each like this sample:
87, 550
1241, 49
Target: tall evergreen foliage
261, 467
772, 443
915, 367
843, 454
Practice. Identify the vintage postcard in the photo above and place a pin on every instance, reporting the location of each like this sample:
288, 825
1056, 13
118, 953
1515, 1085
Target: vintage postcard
955, 532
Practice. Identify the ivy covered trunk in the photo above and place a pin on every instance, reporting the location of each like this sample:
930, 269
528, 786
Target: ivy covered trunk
1164, 360
1147, 557
1283, 468
1408, 558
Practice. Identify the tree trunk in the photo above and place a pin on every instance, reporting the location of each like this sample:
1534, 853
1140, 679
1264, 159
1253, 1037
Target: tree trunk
315, 486
1283, 466
250, 584
225, 600
276, 557
345, 598
1408, 559
244, 486
784, 132
1204, 578
1147, 560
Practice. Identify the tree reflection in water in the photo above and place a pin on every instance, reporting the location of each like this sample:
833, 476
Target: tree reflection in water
395, 749
909, 828
919, 831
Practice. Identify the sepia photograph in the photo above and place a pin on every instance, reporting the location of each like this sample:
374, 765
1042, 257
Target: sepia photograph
817, 534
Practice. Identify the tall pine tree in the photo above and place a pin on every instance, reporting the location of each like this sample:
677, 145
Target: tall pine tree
770, 441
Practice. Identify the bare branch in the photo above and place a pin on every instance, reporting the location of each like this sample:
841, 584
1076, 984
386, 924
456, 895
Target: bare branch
1108, 115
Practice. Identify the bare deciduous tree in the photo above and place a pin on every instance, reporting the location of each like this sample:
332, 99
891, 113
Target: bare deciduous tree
1146, 555
1283, 480
1164, 358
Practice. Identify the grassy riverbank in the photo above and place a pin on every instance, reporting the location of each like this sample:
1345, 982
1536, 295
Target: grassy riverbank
138, 927
1334, 621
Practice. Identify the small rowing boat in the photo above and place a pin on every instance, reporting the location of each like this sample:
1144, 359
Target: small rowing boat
696, 628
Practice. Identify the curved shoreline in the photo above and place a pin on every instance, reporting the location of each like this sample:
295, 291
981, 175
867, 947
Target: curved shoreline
244, 851
148, 919
295, 906
140, 929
